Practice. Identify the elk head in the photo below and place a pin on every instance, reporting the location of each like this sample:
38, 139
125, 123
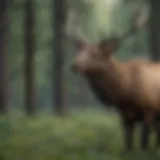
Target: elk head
92, 56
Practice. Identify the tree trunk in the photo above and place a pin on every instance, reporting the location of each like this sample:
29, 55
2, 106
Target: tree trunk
29, 57
154, 29
83, 95
4, 81
59, 13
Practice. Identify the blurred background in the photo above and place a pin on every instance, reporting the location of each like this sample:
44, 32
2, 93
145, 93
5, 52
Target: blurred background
47, 112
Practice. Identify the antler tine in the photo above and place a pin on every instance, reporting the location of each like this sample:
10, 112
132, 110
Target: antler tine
143, 20
139, 20
73, 29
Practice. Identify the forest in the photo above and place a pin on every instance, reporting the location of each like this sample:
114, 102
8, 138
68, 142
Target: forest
48, 112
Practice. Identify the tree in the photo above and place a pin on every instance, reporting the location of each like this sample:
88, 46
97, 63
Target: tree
59, 13
155, 29
29, 57
83, 94
4, 85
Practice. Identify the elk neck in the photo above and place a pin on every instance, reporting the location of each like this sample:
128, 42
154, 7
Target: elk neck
106, 83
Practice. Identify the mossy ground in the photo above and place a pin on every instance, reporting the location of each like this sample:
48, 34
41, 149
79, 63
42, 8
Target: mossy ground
91, 135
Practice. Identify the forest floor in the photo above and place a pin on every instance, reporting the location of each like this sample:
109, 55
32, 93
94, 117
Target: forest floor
93, 135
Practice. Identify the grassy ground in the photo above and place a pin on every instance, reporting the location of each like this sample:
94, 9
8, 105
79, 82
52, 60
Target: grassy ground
86, 136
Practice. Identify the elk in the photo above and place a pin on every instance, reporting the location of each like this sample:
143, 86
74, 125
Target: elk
132, 86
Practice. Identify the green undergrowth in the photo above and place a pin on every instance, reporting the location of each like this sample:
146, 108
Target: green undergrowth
84, 136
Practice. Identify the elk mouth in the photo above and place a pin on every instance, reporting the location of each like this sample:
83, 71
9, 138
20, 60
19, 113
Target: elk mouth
78, 70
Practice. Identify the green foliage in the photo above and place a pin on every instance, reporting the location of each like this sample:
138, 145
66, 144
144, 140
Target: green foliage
98, 19
89, 136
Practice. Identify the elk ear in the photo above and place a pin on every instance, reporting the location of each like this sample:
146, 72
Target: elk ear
110, 45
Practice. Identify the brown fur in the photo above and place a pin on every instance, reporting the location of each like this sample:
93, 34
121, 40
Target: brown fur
132, 86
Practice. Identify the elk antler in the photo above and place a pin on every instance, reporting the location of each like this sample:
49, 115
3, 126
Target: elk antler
73, 29
139, 19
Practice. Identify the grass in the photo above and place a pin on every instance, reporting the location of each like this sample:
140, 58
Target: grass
85, 136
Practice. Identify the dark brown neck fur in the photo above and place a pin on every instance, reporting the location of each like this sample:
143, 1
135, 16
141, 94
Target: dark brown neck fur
106, 83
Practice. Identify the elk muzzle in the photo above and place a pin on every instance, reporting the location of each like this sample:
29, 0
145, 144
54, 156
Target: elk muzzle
78, 68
